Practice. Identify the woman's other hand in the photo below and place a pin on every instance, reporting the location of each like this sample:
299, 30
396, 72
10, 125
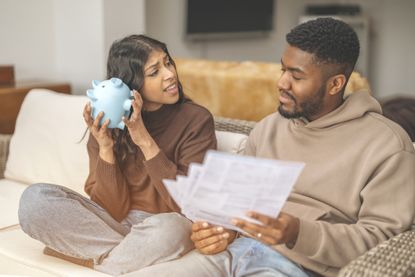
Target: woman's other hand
135, 123
209, 239
138, 131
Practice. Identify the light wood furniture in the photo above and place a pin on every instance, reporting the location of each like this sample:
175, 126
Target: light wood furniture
11, 98
6, 75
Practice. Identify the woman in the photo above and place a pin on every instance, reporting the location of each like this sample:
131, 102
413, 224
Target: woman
130, 220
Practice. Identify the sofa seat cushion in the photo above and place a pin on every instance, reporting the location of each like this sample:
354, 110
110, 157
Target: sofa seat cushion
45, 146
10, 192
20, 254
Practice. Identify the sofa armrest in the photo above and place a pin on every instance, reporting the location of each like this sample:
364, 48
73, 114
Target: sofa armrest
4, 152
394, 257
233, 125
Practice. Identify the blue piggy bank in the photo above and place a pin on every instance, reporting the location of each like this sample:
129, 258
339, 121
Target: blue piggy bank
112, 97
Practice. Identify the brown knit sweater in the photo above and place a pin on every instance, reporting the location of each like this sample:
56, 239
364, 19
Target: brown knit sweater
183, 132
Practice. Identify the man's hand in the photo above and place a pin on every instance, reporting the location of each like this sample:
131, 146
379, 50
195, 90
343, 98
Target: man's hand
209, 239
283, 229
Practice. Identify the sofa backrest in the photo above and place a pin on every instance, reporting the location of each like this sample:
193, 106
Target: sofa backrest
45, 146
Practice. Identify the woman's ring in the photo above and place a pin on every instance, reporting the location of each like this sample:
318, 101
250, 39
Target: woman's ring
259, 235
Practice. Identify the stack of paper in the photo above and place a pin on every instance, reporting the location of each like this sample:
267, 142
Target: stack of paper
227, 186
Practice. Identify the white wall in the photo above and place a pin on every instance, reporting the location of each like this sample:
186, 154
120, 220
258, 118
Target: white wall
165, 20
391, 57
27, 37
79, 33
392, 44
122, 18
85, 31
65, 40
69, 39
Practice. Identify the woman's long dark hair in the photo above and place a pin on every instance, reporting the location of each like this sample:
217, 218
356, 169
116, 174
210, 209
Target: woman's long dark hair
126, 61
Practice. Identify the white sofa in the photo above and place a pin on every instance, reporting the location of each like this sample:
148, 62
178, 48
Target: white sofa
45, 148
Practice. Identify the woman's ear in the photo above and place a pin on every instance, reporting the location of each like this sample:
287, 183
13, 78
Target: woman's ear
336, 83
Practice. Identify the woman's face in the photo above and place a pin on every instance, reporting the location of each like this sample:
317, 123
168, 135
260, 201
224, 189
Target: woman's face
160, 82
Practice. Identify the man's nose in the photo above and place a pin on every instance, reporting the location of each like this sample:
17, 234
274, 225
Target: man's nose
284, 81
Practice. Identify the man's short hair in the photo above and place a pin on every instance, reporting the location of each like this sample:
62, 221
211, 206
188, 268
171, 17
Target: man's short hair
330, 40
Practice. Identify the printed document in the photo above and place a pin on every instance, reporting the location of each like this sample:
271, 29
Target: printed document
227, 186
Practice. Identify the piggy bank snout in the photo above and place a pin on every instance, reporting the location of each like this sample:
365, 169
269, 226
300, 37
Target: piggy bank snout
127, 104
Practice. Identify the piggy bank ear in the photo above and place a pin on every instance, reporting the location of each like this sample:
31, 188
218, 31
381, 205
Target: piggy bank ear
116, 82
95, 83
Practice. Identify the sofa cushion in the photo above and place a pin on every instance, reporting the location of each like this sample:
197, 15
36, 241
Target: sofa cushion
45, 145
10, 192
231, 142
20, 254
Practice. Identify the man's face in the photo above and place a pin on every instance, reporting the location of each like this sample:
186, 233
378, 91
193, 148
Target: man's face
302, 86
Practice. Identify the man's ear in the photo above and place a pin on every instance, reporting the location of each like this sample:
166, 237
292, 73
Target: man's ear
336, 83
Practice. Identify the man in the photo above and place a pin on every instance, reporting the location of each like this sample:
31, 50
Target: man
357, 188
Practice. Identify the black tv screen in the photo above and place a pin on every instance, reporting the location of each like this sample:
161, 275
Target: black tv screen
209, 18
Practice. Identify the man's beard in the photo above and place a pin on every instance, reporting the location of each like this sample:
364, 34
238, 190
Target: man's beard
307, 108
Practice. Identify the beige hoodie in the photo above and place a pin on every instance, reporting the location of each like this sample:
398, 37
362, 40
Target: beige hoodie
357, 188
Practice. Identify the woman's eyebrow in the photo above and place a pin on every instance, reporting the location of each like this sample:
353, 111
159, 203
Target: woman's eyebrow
151, 66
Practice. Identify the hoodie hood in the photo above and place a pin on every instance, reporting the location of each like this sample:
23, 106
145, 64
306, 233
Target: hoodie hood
354, 106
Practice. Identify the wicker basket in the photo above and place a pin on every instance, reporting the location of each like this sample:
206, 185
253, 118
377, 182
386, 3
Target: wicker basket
392, 258
233, 125
4, 152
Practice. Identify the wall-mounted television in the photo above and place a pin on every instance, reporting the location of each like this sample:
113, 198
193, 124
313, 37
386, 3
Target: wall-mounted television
210, 19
